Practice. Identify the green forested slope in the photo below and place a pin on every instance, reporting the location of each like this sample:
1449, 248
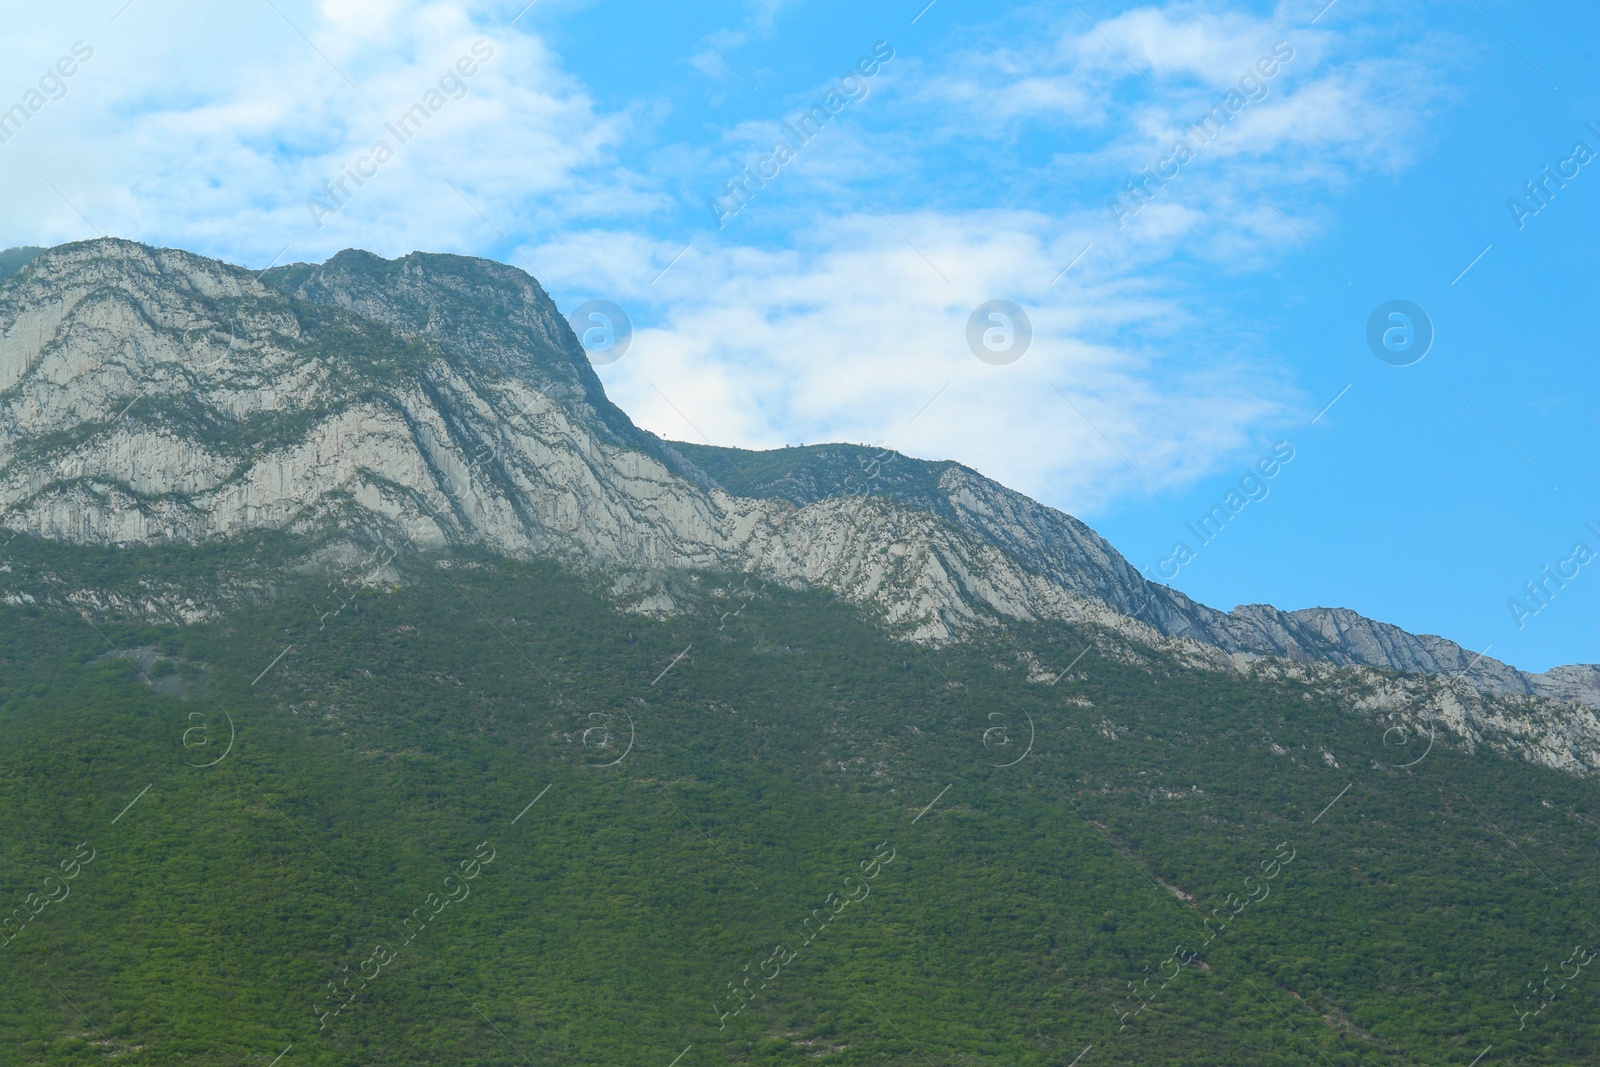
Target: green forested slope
791, 753
807, 473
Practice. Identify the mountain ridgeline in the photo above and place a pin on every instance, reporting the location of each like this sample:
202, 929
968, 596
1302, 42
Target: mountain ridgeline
373, 691
153, 396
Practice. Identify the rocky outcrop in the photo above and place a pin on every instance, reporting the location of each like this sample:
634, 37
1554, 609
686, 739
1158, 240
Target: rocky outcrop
1077, 567
151, 395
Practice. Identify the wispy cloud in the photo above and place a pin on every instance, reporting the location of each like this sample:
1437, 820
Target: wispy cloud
837, 306
848, 336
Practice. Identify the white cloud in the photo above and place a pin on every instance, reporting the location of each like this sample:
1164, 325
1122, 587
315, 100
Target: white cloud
836, 328
850, 335
764, 14
1342, 104
163, 138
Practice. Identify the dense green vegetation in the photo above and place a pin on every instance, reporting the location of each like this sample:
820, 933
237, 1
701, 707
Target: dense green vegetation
807, 473
779, 746
14, 259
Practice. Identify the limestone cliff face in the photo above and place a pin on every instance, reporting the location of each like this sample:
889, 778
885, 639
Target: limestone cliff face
151, 395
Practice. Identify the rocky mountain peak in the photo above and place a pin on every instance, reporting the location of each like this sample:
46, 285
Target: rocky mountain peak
152, 395
494, 314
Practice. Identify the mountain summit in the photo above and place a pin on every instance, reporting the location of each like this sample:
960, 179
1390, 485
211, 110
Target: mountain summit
155, 396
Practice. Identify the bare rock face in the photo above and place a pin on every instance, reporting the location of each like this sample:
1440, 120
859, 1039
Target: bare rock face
151, 395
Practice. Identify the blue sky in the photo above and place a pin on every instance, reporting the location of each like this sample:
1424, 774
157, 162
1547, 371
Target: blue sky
1184, 341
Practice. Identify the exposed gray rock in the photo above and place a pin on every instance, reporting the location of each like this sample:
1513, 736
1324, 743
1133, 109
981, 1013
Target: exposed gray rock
152, 395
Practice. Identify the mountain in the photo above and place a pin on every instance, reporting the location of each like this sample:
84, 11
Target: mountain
372, 691
151, 396
13, 259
